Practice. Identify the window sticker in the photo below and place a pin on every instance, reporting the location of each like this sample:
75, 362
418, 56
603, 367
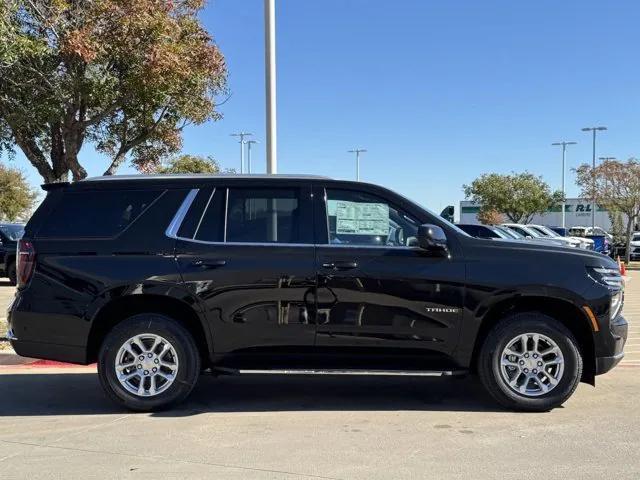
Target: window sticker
354, 218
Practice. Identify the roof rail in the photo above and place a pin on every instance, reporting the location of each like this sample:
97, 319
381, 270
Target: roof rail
47, 187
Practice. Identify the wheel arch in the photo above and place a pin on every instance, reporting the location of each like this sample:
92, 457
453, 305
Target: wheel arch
564, 311
118, 308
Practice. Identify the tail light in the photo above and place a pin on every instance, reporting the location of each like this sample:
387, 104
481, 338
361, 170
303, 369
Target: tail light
25, 263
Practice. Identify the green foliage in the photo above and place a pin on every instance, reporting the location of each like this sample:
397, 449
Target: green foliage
519, 196
126, 76
616, 186
190, 164
16, 196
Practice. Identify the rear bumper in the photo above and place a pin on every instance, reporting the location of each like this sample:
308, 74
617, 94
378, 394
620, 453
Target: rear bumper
27, 330
51, 351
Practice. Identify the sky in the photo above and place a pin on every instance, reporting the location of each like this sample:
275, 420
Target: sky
438, 91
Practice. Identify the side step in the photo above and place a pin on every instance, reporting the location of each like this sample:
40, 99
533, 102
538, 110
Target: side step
336, 371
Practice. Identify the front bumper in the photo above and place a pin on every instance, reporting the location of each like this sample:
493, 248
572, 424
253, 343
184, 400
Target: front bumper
604, 364
617, 337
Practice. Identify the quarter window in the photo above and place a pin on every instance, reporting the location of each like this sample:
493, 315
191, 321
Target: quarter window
96, 214
357, 218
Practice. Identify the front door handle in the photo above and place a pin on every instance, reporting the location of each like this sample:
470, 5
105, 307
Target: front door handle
340, 265
209, 263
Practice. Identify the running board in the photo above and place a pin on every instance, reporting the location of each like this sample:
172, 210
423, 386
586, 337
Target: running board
331, 371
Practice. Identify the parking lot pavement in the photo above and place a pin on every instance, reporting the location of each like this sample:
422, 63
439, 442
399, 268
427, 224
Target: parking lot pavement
632, 314
56, 423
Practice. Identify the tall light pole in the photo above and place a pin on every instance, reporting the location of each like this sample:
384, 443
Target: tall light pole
358, 151
564, 155
270, 81
241, 135
594, 130
249, 143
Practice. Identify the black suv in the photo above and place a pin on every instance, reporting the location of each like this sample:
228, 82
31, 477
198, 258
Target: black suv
10, 233
158, 278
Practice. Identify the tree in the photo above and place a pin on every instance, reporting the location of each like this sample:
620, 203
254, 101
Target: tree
16, 196
519, 196
190, 164
614, 185
125, 76
490, 217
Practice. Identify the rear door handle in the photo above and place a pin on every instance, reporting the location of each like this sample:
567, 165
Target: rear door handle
209, 263
340, 265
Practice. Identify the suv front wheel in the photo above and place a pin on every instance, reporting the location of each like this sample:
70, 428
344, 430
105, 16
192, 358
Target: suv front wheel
148, 362
531, 362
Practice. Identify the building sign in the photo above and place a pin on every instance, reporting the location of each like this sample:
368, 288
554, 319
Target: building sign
578, 213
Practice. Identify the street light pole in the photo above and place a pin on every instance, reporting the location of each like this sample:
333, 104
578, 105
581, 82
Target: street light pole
594, 130
564, 153
249, 143
358, 151
241, 135
270, 81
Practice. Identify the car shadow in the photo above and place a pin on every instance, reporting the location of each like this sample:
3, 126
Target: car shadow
81, 394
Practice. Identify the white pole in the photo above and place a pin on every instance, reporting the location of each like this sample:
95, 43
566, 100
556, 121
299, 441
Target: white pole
564, 149
241, 155
358, 165
270, 80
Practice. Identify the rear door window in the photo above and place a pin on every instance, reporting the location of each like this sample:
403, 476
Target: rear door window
267, 215
96, 213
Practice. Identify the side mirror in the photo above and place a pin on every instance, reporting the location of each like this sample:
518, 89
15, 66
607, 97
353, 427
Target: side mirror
432, 237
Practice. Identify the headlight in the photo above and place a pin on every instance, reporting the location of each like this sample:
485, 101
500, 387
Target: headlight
609, 277
616, 304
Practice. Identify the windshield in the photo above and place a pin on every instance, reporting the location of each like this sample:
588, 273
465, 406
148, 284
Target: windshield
510, 233
548, 231
538, 230
636, 237
12, 232
531, 231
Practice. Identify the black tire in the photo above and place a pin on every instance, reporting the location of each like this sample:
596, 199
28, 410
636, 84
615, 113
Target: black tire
179, 337
498, 338
12, 274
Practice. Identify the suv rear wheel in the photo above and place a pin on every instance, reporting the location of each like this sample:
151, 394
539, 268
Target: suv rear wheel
530, 361
148, 362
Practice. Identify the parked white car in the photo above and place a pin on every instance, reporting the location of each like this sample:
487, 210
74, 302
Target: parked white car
579, 242
531, 234
582, 231
635, 245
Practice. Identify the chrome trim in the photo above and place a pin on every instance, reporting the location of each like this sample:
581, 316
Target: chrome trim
176, 222
226, 214
204, 211
337, 371
377, 247
174, 226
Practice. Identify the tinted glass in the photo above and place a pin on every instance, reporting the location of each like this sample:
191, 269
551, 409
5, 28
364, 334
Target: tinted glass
470, 229
210, 227
96, 214
358, 218
265, 215
192, 219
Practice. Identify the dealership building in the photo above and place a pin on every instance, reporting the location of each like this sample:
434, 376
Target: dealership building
577, 214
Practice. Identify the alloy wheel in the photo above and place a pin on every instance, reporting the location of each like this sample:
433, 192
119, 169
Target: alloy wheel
531, 364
